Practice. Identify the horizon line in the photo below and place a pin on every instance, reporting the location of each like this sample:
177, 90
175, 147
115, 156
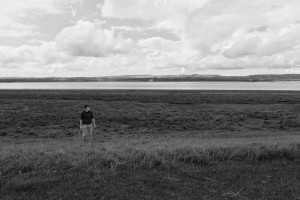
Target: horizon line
151, 75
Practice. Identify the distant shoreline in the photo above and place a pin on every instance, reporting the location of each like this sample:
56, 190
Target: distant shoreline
162, 78
41, 81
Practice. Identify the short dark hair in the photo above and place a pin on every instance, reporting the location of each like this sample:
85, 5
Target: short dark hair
86, 106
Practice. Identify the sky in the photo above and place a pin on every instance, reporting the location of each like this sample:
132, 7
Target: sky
82, 38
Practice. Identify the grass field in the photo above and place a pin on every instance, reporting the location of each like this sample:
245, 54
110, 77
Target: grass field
150, 145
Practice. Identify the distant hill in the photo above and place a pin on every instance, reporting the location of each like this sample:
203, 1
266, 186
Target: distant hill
161, 78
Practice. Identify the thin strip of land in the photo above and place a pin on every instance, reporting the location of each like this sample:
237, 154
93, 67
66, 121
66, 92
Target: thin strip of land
161, 78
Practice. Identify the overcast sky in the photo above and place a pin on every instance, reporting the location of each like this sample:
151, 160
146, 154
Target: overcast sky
116, 37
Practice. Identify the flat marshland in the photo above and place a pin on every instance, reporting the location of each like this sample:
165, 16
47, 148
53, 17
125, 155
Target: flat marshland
150, 145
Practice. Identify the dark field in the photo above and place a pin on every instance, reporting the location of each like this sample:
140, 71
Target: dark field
56, 114
150, 145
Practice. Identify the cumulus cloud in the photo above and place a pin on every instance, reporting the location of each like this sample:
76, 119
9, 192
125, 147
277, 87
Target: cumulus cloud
86, 39
157, 37
224, 30
243, 47
164, 53
270, 42
44, 54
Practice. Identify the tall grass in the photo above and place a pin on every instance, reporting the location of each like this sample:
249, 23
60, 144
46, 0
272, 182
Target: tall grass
93, 158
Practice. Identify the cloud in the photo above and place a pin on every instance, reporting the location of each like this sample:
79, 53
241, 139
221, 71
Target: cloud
267, 43
86, 39
164, 53
169, 14
243, 47
149, 10
157, 37
14, 14
44, 54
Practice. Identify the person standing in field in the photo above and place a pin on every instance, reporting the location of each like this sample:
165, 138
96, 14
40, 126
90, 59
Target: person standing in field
87, 123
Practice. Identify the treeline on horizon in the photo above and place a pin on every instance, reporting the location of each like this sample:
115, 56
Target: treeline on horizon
162, 78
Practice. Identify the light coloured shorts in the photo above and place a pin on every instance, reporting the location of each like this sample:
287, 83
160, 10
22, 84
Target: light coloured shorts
87, 129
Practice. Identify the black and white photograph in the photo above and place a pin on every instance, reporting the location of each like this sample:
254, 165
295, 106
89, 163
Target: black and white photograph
149, 100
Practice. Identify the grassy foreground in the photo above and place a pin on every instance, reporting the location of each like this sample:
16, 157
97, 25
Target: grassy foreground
69, 169
150, 145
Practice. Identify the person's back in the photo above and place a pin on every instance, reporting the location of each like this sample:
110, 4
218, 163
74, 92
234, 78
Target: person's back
87, 122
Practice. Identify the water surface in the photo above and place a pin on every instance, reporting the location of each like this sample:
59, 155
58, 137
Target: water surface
280, 85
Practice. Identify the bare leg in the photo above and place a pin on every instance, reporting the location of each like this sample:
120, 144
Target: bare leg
84, 133
91, 133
